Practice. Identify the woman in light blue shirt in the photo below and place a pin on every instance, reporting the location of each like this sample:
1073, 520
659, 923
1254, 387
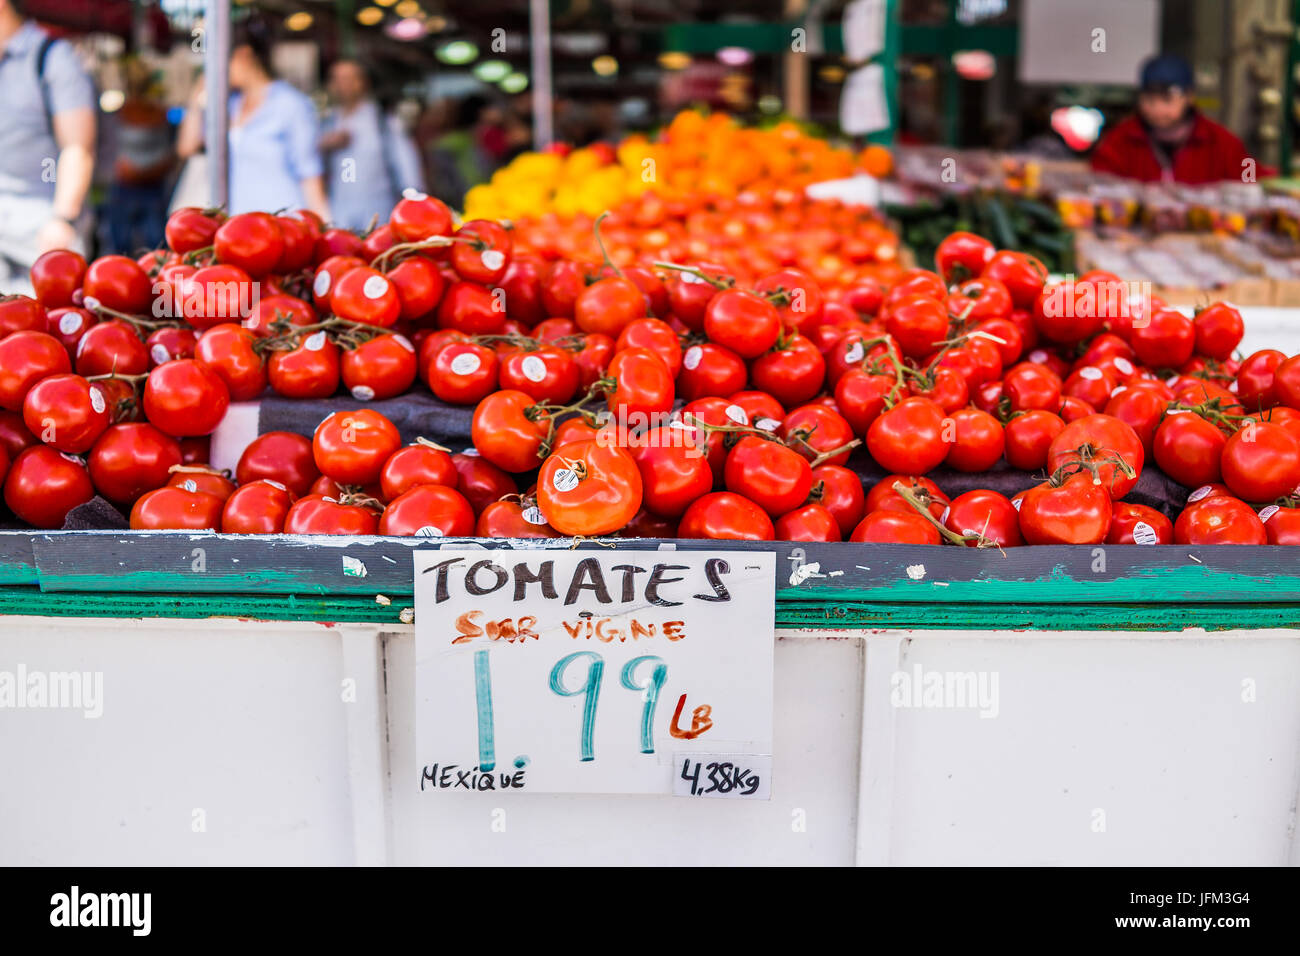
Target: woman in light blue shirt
274, 160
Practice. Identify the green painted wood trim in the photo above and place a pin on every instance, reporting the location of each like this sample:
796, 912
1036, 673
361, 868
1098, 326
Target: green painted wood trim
789, 614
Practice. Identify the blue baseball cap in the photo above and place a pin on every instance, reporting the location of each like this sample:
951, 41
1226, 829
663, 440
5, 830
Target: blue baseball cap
1165, 71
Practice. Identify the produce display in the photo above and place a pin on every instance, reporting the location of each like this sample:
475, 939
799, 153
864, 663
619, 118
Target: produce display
816, 394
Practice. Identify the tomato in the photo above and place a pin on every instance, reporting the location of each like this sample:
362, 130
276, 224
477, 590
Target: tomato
861, 396
1022, 274
1089, 384
1005, 336
1288, 418
43, 485
1077, 511
1286, 382
793, 372
482, 251
513, 519
14, 436
20, 313
471, 308
25, 358
895, 527
328, 274
593, 358
366, 295
976, 300
508, 432
1255, 378
689, 295
885, 497
674, 470
915, 282
185, 397
252, 241
977, 440
656, 336
919, 324
609, 305
909, 438
259, 507
977, 361
743, 322
68, 325
1166, 340
117, 283
56, 275
987, 514
549, 374
1219, 331
1188, 448
201, 477
418, 464
752, 407
1219, 519
797, 296
379, 368
67, 412
945, 387
774, 477
299, 235
189, 229
962, 255
308, 370
1028, 436
275, 308
1141, 407
522, 287
320, 514
462, 373
589, 488
1137, 524
1281, 525
839, 491
216, 294
1100, 439
643, 386
710, 369
351, 447
865, 296
1261, 462
563, 282
813, 430
417, 217
1029, 386
811, 522
228, 350
285, 457
166, 344
111, 348
172, 508
428, 510
480, 481
130, 459
724, 516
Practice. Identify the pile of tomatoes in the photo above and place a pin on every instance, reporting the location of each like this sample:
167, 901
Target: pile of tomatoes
634, 394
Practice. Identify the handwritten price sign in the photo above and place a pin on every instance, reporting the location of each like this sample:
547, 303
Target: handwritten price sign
581, 672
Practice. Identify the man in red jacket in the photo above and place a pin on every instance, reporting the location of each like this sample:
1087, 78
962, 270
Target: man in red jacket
1168, 139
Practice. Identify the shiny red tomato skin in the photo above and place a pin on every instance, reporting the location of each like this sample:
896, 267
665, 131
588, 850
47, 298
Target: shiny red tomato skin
811, 522
351, 447
814, 429
482, 251
259, 507
189, 229
252, 241
962, 255
480, 481
1103, 436
118, 283
1076, 512
228, 350
609, 305
1132, 523
674, 471
1219, 519
723, 515
310, 369
67, 412
589, 488
1261, 462
918, 324
463, 373
21, 313
1281, 524
471, 308
1028, 436
1188, 449
986, 513
711, 369
418, 217
1219, 330
56, 275
281, 456
840, 492
793, 372
504, 434
26, 357
908, 439
747, 324
43, 485
1255, 379
184, 398
774, 477
505, 519
1166, 340
130, 459
423, 508
416, 465
895, 527
977, 440
171, 508
1023, 275
382, 367
111, 347
366, 295
318, 514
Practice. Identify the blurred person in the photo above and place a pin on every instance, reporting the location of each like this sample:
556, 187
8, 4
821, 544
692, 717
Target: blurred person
137, 200
457, 160
370, 157
47, 142
273, 138
1168, 139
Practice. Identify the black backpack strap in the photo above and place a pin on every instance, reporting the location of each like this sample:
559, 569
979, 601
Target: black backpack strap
42, 53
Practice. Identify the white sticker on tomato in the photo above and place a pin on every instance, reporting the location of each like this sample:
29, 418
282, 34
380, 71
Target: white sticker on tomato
429, 531
81, 345
533, 368
1143, 533
320, 286
404, 342
70, 322
692, 357
856, 352
376, 287
1266, 513
1171, 379
1038, 356
466, 363
190, 485
737, 415
943, 518
533, 515
363, 393
413, 194
97, 400
471, 452
275, 484
159, 354
72, 458
315, 342
493, 259
1090, 372
565, 480
767, 424
1117, 389
690, 278
1017, 502
1233, 387
1124, 365
1199, 493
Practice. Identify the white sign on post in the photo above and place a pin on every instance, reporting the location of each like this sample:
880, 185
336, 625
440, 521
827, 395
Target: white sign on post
595, 672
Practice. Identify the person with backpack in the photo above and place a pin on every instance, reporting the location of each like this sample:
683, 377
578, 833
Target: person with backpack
47, 142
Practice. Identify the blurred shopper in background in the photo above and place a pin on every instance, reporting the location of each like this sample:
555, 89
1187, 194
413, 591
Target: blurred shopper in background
137, 198
1169, 139
459, 158
371, 159
47, 142
274, 158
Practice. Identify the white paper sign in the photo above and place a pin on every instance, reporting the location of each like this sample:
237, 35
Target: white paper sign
863, 108
864, 29
593, 672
